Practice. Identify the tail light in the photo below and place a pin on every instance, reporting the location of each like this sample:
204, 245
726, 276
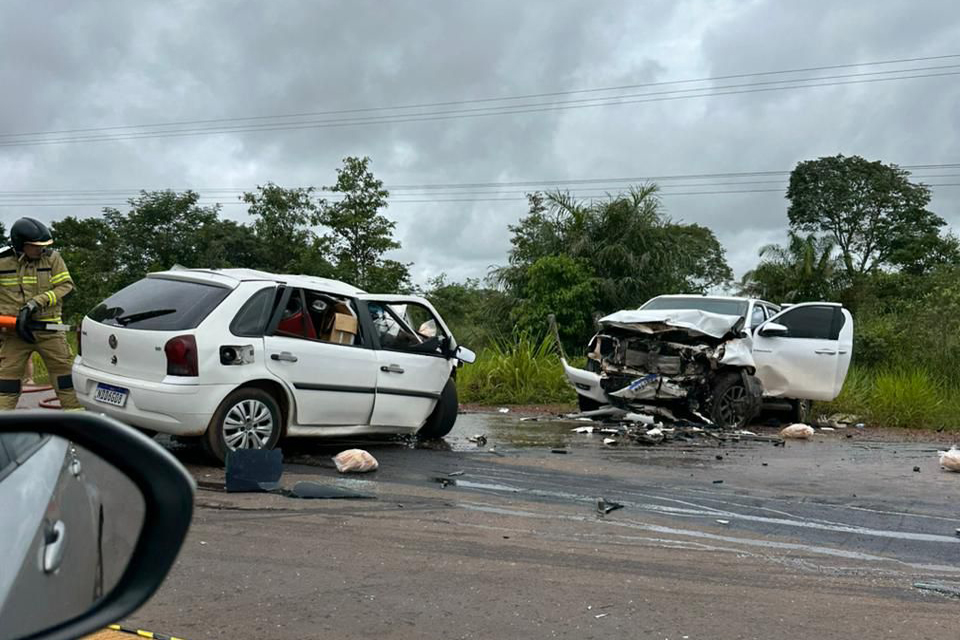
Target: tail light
182, 356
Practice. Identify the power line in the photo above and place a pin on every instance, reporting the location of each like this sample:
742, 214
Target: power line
494, 99
392, 201
482, 111
731, 175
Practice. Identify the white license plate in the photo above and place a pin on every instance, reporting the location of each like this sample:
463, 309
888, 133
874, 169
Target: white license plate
108, 394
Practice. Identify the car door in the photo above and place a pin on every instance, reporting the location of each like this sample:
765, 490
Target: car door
50, 541
333, 383
810, 360
412, 368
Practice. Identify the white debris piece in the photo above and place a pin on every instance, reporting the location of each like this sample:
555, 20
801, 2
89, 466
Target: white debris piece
355, 461
797, 431
654, 433
950, 460
583, 429
610, 441
503, 410
827, 429
639, 417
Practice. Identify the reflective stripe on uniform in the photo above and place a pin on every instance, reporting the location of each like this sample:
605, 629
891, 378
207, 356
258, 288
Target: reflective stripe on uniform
51, 319
52, 297
63, 276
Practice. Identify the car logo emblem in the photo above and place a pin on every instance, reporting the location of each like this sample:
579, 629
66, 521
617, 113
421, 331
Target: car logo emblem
113, 360
112, 341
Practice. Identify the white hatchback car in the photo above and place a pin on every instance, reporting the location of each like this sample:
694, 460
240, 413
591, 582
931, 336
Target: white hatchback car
244, 357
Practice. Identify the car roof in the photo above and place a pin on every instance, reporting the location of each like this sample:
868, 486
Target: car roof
233, 277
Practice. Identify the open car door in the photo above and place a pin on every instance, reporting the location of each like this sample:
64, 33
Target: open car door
413, 361
804, 351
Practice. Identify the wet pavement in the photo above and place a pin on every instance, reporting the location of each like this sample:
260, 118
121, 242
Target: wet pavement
817, 538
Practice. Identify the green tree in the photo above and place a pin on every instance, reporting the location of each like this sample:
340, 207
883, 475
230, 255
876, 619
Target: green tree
282, 226
628, 247
802, 270
162, 228
89, 247
477, 314
564, 287
874, 214
359, 236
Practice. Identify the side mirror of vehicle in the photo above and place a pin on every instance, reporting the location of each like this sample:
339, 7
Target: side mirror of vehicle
465, 355
773, 330
93, 513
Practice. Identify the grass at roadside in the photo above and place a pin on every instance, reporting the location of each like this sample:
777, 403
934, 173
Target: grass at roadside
519, 370
899, 397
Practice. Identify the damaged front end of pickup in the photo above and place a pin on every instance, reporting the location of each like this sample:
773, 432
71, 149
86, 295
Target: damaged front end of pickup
674, 364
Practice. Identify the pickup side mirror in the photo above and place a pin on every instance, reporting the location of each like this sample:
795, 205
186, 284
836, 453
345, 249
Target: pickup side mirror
774, 330
465, 355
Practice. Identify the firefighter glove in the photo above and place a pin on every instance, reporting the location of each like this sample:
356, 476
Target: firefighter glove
23, 322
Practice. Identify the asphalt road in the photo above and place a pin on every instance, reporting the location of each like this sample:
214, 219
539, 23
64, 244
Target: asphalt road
820, 539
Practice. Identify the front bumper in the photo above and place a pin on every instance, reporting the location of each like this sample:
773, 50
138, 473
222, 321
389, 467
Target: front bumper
176, 409
586, 383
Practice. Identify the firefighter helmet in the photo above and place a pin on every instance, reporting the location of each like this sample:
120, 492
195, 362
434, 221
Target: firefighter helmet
29, 231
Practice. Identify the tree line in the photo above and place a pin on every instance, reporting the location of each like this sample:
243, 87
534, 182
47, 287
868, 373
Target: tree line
860, 232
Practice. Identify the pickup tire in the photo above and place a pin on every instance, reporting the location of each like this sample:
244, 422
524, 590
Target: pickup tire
800, 411
734, 402
444, 416
247, 409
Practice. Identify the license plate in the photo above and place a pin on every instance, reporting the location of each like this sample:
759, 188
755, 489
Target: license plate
108, 394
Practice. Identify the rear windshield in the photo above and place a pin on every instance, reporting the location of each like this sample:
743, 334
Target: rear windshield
713, 305
158, 304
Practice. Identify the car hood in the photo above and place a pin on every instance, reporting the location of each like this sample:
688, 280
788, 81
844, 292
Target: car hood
693, 321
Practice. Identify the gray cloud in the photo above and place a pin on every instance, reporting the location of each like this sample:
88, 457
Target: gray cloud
71, 65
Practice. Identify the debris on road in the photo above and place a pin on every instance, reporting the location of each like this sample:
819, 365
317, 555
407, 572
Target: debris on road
253, 470
723, 522
318, 491
950, 460
355, 461
916, 469
943, 588
584, 429
454, 474
478, 439
503, 410
445, 482
610, 441
559, 451
797, 432
605, 506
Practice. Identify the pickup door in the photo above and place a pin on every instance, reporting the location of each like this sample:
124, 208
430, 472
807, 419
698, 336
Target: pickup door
809, 362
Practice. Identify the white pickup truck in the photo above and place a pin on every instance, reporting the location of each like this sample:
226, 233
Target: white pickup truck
720, 358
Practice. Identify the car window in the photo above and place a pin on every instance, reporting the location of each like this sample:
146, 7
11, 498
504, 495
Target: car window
406, 327
757, 317
251, 321
6, 462
815, 322
160, 304
316, 315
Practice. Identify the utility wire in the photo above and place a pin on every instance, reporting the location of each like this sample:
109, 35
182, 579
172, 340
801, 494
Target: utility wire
483, 111
423, 105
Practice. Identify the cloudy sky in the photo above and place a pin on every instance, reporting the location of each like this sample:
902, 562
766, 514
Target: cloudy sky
221, 85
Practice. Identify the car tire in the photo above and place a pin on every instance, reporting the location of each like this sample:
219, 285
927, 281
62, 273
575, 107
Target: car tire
734, 404
444, 415
800, 411
246, 419
587, 404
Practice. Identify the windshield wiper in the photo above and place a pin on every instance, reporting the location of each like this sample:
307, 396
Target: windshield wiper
143, 315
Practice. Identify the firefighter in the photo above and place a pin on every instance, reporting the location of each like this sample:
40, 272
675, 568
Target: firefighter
33, 282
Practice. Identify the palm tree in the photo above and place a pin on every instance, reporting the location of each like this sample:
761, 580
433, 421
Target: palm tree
802, 270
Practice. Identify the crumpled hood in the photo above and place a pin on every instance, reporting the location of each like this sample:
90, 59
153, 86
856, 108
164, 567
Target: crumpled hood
652, 321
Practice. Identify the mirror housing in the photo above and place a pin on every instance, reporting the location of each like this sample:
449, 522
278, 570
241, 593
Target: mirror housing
465, 355
167, 490
773, 330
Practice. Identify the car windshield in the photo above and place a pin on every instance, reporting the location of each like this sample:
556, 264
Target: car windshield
713, 305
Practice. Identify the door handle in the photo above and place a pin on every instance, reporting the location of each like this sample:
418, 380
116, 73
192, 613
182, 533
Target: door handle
393, 368
826, 352
285, 356
54, 545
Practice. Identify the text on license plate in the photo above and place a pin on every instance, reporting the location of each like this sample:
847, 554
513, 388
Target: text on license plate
117, 396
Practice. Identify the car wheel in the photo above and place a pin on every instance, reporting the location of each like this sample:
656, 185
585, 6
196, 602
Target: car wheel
800, 411
734, 404
444, 415
587, 404
246, 419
